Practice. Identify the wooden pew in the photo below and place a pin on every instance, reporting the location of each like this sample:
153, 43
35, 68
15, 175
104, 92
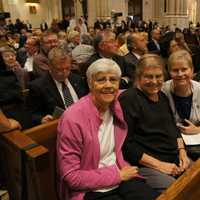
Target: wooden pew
28, 159
186, 187
46, 135
29, 162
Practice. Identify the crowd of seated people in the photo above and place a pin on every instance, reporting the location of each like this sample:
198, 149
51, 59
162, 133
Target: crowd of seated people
43, 73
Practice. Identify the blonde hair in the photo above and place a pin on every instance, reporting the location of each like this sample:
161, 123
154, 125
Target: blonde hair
72, 34
180, 55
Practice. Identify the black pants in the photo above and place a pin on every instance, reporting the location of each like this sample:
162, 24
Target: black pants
135, 189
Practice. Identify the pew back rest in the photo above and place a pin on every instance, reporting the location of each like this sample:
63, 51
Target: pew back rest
45, 135
29, 162
186, 187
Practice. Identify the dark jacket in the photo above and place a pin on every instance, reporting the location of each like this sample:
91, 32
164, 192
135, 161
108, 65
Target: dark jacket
44, 95
22, 55
120, 60
132, 61
153, 48
151, 127
12, 100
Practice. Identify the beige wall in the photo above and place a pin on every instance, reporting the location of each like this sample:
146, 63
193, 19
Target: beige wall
192, 10
46, 10
78, 8
198, 12
1, 6
152, 9
120, 6
176, 14
148, 10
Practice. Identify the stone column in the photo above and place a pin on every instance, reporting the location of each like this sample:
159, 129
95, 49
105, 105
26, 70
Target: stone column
171, 7
91, 12
176, 14
119, 6
103, 9
1, 6
198, 13
78, 8
178, 7
54, 6
98, 8
107, 9
148, 9
185, 6
193, 10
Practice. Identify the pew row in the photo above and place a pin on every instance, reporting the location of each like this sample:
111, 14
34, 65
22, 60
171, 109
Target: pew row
186, 187
29, 164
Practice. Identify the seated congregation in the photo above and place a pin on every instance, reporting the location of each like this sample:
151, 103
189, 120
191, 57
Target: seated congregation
123, 127
88, 167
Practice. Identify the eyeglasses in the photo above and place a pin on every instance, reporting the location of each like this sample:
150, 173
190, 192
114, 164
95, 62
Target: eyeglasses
104, 79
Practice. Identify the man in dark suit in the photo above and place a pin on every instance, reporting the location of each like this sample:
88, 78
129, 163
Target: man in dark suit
153, 45
49, 91
106, 46
137, 46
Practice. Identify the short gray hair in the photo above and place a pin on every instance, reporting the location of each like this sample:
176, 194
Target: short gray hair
103, 65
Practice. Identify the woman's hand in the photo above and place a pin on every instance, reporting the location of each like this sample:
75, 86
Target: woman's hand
164, 167
169, 168
128, 172
46, 119
184, 161
14, 124
190, 129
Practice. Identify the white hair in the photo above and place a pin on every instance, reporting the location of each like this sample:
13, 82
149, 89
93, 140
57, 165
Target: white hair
103, 65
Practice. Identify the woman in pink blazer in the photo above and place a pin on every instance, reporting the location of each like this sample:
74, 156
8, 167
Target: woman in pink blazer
90, 137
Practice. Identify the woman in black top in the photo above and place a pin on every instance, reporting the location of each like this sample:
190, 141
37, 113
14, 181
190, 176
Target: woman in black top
153, 140
11, 99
